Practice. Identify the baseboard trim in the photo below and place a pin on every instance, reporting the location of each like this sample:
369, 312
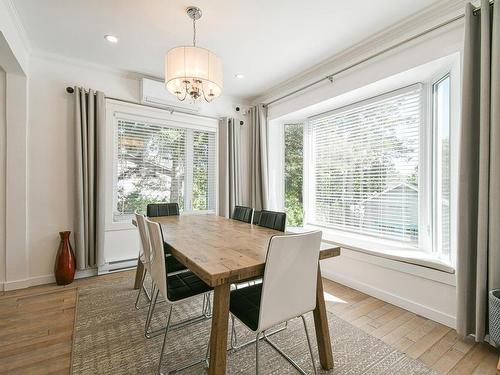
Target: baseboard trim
40, 280
117, 266
394, 299
26, 283
81, 274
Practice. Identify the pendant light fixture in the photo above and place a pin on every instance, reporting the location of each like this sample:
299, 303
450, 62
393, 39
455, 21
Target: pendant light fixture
191, 71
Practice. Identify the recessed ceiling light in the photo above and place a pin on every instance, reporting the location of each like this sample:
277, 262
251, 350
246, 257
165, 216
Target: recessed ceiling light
239, 76
111, 38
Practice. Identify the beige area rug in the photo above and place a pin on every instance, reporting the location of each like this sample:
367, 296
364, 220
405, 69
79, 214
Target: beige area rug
109, 339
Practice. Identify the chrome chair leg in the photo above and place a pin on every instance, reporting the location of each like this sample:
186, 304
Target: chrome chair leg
207, 353
152, 305
233, 342
150, 334
284, 355
146, 293
143, 278
207, 306
257, 354
165, 338
168, 328
309, 343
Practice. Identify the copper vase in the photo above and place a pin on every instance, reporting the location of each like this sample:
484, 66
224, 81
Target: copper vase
65, 266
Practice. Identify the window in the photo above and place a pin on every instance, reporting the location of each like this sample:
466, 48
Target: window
160, 163
377, 171
203, 170
294, 170
364, 172
441, 167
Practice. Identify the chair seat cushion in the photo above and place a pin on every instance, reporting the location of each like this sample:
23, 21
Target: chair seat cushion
245, 305
173, 265
184, 285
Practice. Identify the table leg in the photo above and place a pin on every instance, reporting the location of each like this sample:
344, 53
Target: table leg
321, 325
218, 335
138, 274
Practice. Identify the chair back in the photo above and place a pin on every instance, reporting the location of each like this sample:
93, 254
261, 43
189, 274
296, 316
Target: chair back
143, 234
290, 278
158, 267
243, 213
273, 220
162, 209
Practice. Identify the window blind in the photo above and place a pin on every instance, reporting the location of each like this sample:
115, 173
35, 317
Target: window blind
152, 166
203, 170
364, 173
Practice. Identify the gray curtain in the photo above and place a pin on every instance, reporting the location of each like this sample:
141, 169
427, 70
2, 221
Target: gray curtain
89, 156
229, 166
478, 263
259, 180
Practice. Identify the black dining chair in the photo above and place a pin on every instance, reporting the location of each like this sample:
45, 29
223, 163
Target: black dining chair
162, 209
166, 209
242, 213
267, 219
273, 220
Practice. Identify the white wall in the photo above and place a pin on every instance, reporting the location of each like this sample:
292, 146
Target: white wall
51, 160
2, 173
424, 291
14, 53
13, 32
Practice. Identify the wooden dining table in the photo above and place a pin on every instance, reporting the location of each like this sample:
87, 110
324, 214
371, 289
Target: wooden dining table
222, 252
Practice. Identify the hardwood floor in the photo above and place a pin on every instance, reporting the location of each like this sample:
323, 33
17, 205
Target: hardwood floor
36, 327
434, 344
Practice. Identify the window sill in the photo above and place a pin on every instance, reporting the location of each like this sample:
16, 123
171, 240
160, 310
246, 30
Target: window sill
382, 249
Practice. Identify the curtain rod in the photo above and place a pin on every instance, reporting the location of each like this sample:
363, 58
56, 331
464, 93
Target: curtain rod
71, 90
330, 76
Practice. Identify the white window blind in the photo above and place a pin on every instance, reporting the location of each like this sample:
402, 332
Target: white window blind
203, 170
152, 166
364, 173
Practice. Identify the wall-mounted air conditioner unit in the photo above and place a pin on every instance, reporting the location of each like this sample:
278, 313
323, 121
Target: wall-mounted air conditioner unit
155, 93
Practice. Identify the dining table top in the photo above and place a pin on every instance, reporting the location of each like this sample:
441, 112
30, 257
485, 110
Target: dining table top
220, 250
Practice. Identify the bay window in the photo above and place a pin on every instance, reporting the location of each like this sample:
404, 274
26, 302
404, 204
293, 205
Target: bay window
377, 170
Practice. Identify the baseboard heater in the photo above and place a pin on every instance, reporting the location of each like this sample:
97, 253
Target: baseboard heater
118, 265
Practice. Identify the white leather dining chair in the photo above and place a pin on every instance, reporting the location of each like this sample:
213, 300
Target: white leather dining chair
287, 291
175, 289
173, 264
144, 257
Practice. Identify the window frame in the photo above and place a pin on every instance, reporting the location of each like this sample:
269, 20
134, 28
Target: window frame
426, 172
117, 110
436, 80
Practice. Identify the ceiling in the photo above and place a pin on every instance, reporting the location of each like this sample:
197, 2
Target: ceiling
267, 41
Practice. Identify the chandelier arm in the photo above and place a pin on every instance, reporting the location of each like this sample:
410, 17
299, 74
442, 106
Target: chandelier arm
205, 96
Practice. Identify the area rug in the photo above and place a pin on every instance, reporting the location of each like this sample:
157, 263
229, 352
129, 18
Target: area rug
109, 339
